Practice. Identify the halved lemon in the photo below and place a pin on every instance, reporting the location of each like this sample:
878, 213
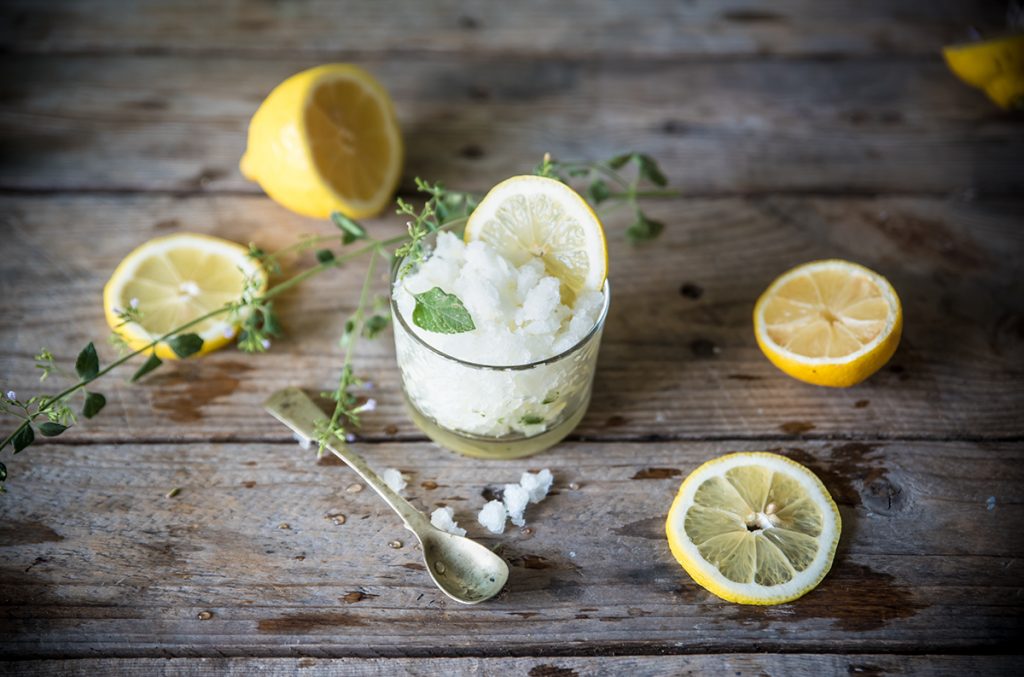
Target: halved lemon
830, 323
995, 65
325, 140
754, 528
527, 216
172, 280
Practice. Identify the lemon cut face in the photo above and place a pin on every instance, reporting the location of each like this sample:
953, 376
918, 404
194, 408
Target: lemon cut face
176, 279
754, 528
527, 216
831, 323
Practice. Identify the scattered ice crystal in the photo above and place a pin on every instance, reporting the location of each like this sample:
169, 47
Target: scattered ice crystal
444, 519
493, 517
516, 498
304, 442
537, 484
393, 478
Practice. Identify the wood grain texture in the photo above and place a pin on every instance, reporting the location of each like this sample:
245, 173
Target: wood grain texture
323, 29
178, 123
678, 358
741, 665
96, 560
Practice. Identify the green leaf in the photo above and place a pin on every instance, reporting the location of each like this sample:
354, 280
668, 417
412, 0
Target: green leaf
152, 363
88, 363
650, 170
51, 429
598, 192
579, 171
23, 438
531, 419
619, 161
94, 403
644, 229
346, 333
353, 231
270, 323
374, 325
324, 256
184, 345
442, 313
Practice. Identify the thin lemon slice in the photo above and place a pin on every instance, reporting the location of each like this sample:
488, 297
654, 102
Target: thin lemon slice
754, 528
830, 323
172, 280
527, 216
325, 140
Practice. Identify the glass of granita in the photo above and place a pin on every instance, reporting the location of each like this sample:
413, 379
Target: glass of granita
528, 274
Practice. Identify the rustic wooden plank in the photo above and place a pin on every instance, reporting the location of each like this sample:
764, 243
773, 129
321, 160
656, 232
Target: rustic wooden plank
96, 560
320, 28
675, 363
178, 123
792, 665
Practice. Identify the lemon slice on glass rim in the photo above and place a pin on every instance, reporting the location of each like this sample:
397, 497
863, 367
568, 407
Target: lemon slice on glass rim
754, 528
527, 216
830, 323
169, 281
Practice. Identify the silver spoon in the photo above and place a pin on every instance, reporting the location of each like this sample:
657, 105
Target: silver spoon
464, 570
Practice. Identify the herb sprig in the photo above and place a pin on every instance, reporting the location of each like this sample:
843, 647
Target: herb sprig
253, 312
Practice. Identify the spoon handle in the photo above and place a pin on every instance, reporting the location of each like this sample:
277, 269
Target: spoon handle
293, 407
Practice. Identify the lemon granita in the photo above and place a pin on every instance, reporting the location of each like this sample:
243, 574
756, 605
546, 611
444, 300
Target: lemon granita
523, 370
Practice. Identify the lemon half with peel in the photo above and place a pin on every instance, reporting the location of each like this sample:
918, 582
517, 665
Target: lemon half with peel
754, 528
996, 66
172, 280
830, 323
324, 140
527, 216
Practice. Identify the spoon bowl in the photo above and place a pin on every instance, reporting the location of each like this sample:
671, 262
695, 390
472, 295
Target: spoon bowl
462, 568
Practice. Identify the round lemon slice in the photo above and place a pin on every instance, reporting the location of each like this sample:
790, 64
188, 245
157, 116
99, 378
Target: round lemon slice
754, 528
172, 280
830, 323
324, 140
527, 216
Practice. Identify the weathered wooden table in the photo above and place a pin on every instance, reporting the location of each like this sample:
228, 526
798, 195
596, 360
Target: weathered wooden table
796, 130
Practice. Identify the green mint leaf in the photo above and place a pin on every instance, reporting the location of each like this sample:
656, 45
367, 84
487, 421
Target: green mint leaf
94, 403
324, 256
644, 229
442, 313
374, 325
88, 363
184, 345
619, 161
270, 323
51, 429
531, 419
598, 192
347, 332
353, 231
650, 170
24, 438
152, 363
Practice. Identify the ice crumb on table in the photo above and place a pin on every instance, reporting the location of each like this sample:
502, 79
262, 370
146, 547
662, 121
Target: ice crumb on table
393, 478
304, 442
516, 499
537, 484
493, 517
444, 519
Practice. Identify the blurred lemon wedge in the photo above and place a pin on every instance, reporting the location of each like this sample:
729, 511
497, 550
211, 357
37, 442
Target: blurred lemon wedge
325, 140
995, 66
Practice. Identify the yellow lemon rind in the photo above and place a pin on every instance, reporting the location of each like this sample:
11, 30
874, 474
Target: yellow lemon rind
704, 573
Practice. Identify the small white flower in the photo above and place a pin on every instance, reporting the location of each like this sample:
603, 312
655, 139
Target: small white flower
11, 395
134, 303
369, 405
229, 332
368, 385
349, 437
266, 344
